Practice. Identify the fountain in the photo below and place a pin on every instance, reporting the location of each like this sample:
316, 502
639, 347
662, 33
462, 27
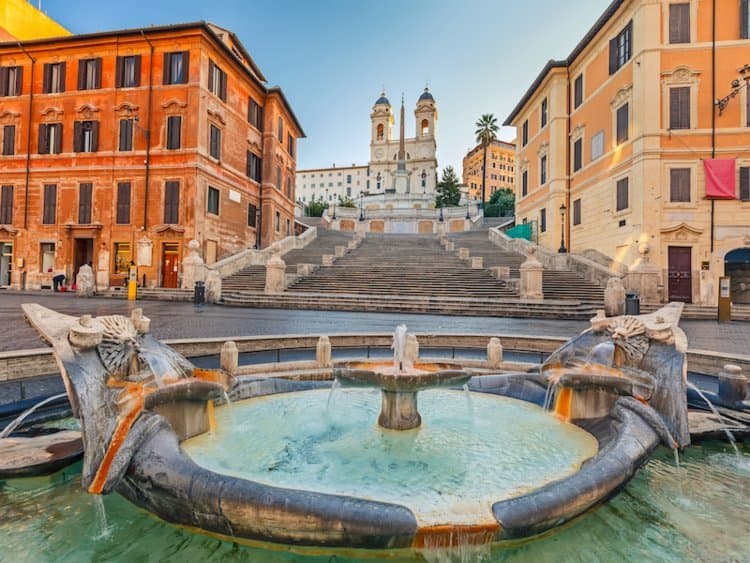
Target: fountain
309, 475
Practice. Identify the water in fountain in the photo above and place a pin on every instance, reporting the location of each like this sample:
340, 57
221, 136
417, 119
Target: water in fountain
28, 412
104, 530
229, 407
335, 385
720, 420
399, 347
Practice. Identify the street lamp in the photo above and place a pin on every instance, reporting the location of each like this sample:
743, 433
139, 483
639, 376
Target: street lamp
424, 182
361, 204
467, 204
562, 249
736, 86
441, 210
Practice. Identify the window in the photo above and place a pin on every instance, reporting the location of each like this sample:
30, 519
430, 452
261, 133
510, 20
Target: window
622, 194
128, 71
679, 23
84, 203
348, 178
11, 80
123, 203
9, 139
290, 145
89, 74
379, 134
543, 113
85, 136
425, 127
621, 48
126, 135
255, 114
679, 185
122, 258
53, 79
578, 91
217, 81
744, 185
214, 148
525, 133
577, 155
543, 220
289, 188
171, 202
288, 227
524, 183
174, 131
50, 204
252, 215
597, 145
254, 166
6, 205
623, 118
277, 222
744, 19
176, 67
543, 169
280, 130
46, 256
278, 178
577, 211
212, 205
50, 138
679, 107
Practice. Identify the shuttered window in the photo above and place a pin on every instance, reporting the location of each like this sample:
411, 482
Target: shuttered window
84, 203
679, 23
623, 122
254, 166
577, 212
290, 145
525, 133
9, 139
252, 215
621, 48
622, 194
128, 71
215, 142
578, 91
543, 170
543, 220
543, 113
86, 136
280, 130
126, 135
525, 183
212, 201
50, 204
744, 183
123, 203
217, 81
53, 78
254, 114
11, 80
172, 202
577, 155
6, 205
50, 138
744, 19
90, 74
679, 107
679, 185
174, 127
176, 66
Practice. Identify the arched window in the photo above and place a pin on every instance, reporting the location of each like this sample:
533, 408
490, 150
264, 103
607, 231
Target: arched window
425, 127
380, 132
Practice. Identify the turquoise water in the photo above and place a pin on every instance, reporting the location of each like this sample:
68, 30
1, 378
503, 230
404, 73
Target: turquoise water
468, 453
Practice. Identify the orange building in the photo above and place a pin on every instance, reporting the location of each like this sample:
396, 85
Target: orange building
614, 142
125, 145
500, 173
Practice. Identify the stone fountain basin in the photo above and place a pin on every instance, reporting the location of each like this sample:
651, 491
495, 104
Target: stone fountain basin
423, 375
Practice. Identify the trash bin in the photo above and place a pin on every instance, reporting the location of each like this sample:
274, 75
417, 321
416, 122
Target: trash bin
199, 293
632, 303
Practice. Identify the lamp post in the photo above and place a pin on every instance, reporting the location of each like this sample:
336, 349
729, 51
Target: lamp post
441, 210
467, 204
361, 204
424, 182
377, 178
736, 86
562, 249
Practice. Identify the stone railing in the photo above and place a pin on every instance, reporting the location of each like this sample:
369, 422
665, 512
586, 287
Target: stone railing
589, 269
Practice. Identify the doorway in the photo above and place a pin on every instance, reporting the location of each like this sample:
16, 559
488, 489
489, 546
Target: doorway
170, 264
680, 273
737, 267
6, 262
83, 253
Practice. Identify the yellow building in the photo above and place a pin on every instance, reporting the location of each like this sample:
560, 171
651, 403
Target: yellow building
20, 20
500, 172
619, 133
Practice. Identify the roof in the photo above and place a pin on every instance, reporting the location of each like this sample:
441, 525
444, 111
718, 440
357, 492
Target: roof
497, 143
333, 168
382, 100
280, 92
426, 95
610, 11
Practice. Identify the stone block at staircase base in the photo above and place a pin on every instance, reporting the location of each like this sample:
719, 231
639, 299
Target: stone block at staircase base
477, 262
463, 253
340, 251
450, 246
305, 269
501, 272
328, 259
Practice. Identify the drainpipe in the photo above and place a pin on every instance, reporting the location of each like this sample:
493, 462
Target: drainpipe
148, 127
566, 226
28, 139
713, 108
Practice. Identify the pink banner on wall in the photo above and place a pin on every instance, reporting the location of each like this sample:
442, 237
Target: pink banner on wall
720, 183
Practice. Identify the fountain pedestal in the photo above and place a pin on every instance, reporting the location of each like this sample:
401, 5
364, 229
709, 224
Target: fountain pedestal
398, 410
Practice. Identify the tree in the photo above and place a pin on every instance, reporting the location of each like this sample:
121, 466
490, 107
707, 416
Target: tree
315, 208
486, 132
448, 193
502, 204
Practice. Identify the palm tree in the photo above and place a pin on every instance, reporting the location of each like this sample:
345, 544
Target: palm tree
486, 133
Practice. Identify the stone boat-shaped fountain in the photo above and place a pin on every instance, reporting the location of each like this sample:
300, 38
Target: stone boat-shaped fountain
619, 386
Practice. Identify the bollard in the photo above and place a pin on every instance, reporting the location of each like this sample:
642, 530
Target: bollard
494, 352
199, 293
323, 352
732, 386
230, 357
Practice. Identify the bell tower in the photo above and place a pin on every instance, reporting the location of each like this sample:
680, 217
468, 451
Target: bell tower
382, 121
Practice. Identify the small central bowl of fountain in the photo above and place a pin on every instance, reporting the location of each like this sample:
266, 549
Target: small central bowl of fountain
400, 381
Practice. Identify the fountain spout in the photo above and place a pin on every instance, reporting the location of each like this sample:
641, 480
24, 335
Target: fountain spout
399, 347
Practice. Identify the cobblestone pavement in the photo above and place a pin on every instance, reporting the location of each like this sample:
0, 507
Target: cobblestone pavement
185, 320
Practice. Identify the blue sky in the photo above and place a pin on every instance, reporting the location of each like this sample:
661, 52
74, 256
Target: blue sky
332, 57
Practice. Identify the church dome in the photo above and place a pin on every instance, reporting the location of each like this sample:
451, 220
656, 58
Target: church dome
382, 100
426, 96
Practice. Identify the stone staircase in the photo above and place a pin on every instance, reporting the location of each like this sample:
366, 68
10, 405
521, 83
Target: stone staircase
403, 265
556, 284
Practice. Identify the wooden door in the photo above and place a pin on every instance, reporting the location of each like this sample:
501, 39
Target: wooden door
170, 264
680, 273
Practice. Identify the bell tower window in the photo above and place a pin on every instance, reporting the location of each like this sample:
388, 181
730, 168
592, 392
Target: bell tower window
425, 127
380, 132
